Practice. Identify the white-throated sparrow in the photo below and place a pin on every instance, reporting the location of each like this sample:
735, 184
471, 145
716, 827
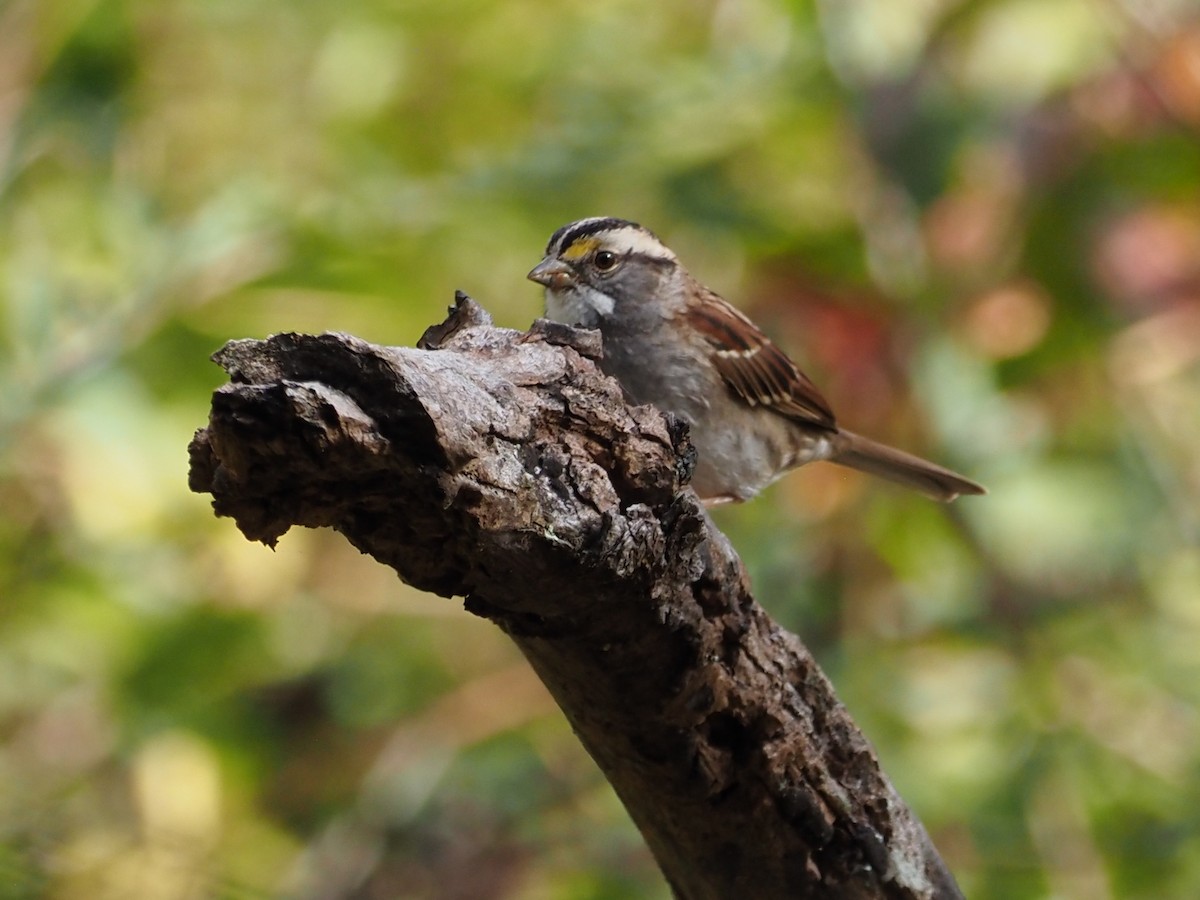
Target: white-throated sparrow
672, 342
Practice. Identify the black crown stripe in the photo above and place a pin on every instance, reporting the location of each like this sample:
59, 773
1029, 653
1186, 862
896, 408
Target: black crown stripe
577, 231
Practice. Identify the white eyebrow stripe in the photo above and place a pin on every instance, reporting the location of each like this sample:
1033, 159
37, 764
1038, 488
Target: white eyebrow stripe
636, 241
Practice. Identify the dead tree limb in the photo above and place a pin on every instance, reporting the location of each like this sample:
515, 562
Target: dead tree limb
505, 468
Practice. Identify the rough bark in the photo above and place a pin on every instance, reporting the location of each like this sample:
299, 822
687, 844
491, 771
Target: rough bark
503, 467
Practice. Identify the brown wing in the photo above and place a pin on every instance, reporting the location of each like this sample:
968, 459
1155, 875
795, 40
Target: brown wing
755, 369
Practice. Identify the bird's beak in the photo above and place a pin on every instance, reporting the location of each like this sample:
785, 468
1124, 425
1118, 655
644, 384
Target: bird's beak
553, 273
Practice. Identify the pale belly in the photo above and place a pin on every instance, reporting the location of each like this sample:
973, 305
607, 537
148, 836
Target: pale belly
739, 452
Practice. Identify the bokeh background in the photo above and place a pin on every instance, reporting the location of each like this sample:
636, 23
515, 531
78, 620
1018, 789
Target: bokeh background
977, 222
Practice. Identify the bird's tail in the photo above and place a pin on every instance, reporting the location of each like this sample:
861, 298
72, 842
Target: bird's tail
932, 480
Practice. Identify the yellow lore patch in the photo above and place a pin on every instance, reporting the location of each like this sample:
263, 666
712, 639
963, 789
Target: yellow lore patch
580, 248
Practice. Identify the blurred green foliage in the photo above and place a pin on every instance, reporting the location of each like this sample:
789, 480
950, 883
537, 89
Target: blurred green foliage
977, 222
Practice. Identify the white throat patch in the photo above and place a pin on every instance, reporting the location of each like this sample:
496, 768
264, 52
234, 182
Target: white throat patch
579, 305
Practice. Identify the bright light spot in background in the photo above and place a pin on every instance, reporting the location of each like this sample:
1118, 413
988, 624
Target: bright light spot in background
1010, 320
358, 70
1027, 49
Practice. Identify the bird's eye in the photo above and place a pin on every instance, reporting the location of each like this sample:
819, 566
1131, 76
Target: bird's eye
605, 261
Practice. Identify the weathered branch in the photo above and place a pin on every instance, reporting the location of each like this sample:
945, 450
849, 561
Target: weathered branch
505, 468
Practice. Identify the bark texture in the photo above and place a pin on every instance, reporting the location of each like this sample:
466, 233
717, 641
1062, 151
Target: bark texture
505, 468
